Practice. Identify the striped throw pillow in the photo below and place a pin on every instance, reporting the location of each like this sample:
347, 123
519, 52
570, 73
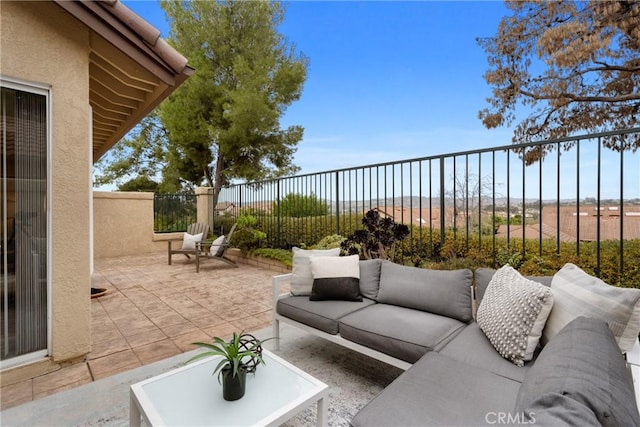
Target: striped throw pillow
577, 293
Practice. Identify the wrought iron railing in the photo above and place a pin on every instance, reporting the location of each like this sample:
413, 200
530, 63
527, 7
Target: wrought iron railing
173, 212
581, 202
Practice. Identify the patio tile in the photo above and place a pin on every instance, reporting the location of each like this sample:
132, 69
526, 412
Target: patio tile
155, 351
16, 394
105, 348
184, 341
113, 364
249, 323
179, 329
223, 331
62, 379
143, 338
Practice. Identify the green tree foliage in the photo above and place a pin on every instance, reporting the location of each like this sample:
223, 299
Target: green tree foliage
223, 123
300, 206
140, 183
575, 65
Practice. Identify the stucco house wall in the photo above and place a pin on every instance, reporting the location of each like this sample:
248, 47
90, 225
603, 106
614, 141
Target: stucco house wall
43, 44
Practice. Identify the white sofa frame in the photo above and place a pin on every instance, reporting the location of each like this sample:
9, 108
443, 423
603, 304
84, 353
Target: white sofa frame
633, 357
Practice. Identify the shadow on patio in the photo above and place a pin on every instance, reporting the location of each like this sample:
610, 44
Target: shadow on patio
153, 311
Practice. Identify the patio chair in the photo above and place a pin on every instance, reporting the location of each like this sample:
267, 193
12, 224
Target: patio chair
188, 245
215, 250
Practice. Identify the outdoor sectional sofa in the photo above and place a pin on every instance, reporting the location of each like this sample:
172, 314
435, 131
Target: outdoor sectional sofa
423, 321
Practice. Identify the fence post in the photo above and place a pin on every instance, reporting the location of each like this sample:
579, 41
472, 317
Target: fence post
202, 206
278, 218
442, 204
337, 203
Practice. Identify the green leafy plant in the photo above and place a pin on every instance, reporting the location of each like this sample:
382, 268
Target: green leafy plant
241, 352
378, 238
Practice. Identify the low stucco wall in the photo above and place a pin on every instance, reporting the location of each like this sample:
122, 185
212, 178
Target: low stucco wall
123, 225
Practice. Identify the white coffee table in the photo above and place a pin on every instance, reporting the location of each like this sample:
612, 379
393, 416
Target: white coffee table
191, 396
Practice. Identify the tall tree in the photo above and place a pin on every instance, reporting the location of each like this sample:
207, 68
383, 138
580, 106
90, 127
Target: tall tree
223, 123
576, 65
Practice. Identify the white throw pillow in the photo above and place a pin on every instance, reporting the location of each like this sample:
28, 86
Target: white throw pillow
577, 294
216, 245
335, 278
189, 241
301, 278
513, 313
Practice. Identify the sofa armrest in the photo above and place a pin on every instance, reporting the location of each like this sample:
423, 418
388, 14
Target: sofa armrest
276, 287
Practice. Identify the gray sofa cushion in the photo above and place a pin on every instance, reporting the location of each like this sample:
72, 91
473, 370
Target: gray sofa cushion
323, 315
555, 409
482, 277
471, 346
370, 278
441, 292
584, 362
400, 332
439, 391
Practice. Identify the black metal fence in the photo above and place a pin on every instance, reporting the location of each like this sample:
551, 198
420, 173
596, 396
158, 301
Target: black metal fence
580, 203
173, 212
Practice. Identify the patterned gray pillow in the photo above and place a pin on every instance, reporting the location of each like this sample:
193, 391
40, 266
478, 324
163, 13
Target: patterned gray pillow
513, 313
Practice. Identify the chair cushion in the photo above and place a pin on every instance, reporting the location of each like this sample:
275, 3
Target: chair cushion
189, 241
301, 277
439, 391
322, 315
441, 292
576, 293
471, 346
513, 313
401, 332
584, 363
335, 278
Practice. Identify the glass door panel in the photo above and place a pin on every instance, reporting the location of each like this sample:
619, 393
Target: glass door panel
23, 223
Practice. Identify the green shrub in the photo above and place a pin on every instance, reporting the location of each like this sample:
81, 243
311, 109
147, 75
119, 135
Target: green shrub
329, 242
282, 255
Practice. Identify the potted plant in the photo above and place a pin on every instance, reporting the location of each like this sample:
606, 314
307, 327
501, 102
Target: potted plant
240, 355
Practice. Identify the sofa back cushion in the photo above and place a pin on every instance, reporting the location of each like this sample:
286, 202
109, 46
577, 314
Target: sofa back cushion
301, 277
370, 278
582, 362
447, 293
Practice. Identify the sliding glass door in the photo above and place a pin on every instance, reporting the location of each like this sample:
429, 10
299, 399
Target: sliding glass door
23, 223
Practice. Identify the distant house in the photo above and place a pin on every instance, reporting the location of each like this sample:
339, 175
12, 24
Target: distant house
583, 223
224, 208
75, 77
424, 217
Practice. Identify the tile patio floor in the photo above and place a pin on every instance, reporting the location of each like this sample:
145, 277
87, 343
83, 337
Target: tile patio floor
153, 311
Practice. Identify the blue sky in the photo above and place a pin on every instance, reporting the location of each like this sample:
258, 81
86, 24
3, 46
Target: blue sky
386, 80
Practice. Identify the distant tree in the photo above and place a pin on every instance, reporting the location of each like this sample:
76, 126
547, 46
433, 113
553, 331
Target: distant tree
575, 64
299, 205
140, 183
223, 123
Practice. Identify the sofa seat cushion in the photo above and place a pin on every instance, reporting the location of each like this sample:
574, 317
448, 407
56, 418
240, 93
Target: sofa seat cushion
472, 346
322, 315
583, 362
400, 332
440, 391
